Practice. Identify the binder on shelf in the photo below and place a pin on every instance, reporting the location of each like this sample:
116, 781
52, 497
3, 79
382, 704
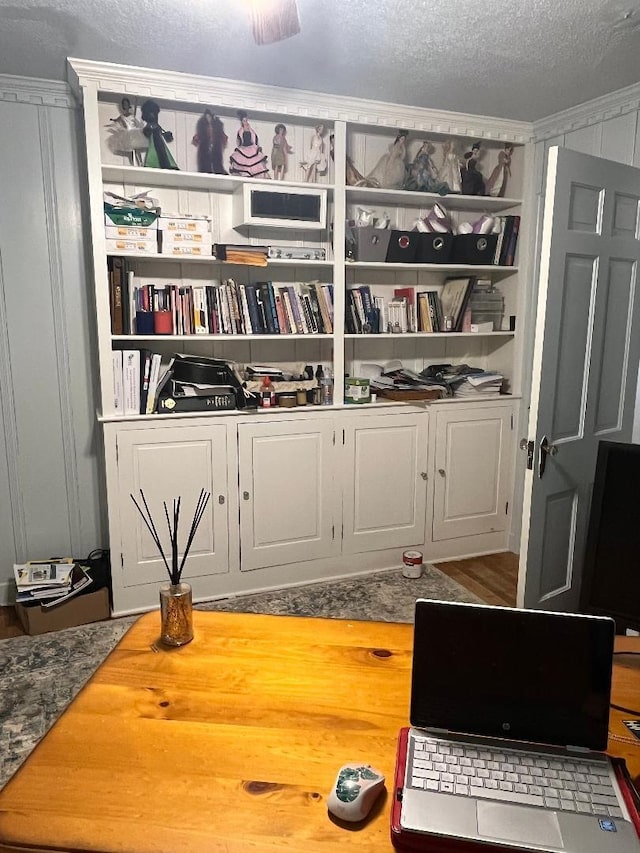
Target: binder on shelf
131, 381
118, 389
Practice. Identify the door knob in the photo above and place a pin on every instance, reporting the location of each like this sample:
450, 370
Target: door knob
245, 496
423, 474
546, 449
220, 499
441, 471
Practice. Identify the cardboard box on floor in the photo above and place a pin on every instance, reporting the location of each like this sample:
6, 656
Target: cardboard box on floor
90, 607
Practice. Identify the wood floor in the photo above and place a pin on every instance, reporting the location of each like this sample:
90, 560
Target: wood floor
492, 578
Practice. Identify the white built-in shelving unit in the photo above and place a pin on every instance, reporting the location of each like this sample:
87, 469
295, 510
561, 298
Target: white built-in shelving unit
315, 492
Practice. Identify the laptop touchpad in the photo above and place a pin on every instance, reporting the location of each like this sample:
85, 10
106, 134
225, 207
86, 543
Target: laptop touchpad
518, 823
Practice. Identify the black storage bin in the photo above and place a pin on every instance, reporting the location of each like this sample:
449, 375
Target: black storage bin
474, 248
434, 248
403, 247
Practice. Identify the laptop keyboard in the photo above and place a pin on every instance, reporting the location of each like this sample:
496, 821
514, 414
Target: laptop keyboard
554, 782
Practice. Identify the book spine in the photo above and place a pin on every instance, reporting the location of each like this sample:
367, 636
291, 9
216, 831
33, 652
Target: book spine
156, 361
506, 237
315, 308
513, 242
282, 317
289, 310
254, 313
117, 315
145, 376
295, 307
272, 306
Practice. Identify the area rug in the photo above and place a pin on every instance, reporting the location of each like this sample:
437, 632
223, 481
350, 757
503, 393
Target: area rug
41, 675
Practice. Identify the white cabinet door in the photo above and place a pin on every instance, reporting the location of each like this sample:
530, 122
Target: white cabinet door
472, 461
167, 463
385, 482
287, 492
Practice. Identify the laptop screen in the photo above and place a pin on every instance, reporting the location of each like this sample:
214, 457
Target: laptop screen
518, 674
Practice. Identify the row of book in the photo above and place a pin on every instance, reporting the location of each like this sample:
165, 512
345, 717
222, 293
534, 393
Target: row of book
228, 307
507, 228
234, 308
412, 311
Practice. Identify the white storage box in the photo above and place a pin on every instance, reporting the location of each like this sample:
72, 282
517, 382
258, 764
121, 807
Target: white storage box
193, 225
141, 247
280, 207
126, 232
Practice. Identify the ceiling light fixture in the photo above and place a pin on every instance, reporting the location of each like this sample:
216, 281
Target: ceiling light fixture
273, 20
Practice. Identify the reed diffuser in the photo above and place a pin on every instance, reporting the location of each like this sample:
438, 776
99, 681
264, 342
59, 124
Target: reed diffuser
176, 604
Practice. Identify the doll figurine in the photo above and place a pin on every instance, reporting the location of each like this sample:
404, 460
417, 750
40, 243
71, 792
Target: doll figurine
158, 155
389, 171
422, 174
280, 152
125, 134
472, 180
248, 158
449, 172
211, 141
317, 162
497, 181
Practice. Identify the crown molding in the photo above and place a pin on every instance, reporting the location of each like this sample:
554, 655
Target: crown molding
33, 90
600, 109
313, 106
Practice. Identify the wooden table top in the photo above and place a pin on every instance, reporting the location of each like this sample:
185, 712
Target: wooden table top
231, 743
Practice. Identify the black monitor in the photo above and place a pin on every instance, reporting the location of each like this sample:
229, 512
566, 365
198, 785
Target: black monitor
611, 581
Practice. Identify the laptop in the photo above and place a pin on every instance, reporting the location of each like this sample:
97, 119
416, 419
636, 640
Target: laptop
509, 723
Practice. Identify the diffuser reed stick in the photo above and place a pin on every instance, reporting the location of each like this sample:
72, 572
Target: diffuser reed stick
173, 525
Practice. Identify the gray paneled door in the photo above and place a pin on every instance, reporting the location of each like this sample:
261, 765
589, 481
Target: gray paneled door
585, 363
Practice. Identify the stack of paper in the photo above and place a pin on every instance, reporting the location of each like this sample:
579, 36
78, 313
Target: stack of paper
479, 385
48, 583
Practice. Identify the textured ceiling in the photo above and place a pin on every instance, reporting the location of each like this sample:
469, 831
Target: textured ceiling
521, 59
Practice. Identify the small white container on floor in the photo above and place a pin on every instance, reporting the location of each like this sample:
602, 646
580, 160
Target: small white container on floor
412, 565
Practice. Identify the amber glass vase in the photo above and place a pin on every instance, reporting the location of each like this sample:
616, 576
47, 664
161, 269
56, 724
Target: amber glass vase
176, 613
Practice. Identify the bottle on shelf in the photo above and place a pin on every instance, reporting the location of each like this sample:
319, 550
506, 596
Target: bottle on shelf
267, 397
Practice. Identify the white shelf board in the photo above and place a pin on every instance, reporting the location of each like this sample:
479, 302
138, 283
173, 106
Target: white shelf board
403, 335
309, 337
407, 198
174, 178
209, 259
462, 268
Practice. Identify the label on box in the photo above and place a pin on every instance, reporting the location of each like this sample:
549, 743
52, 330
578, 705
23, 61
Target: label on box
186, 249
130, 232
194, 226
186, 237
141, 247
133, 216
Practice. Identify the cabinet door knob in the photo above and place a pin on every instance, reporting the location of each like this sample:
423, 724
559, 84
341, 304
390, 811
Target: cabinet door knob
441, 471
423, 474
245, 496
220, 499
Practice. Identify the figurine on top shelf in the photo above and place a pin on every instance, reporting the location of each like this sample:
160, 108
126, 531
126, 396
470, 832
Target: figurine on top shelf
248, 159
422, 174
280, 152
317, 162
497, 181
389, 171
211, 141
158, 155
472, 179
449, 172
125, 134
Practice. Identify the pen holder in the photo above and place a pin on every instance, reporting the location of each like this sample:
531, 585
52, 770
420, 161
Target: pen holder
176, 614
162, 322
144, 322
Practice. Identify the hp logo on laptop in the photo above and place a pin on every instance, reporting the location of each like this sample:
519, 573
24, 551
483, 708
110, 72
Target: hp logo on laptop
506, 727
